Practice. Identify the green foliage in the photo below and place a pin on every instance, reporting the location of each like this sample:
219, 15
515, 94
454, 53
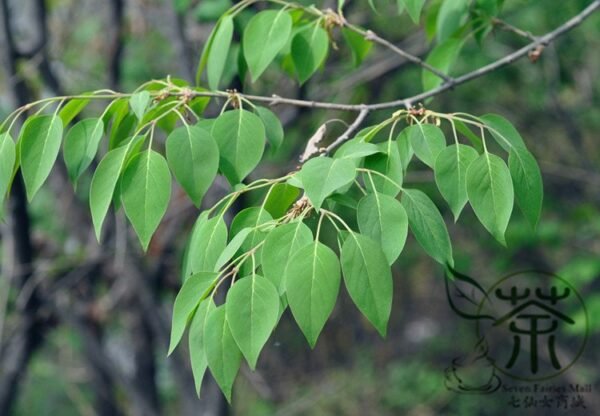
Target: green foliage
273, 254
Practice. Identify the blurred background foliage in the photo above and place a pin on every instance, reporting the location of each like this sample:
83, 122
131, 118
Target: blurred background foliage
553, 102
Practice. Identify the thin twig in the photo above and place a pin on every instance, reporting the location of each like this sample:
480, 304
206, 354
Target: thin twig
407, 102
351, 129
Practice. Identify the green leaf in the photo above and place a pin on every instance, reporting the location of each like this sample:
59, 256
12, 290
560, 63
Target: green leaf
252, 312
39, 146
451, 173
7, 164
280, 246
368, 279
442, 57
280, 199
81, 145
321, 176
222, 353
193, 157
450, 18
232, 248
414, 7
207, 242
491, 194
428, 226
190, 295
355, 149
196, 341
312, 284
427, 141
273, 127
527, 182
503, 131
139, 102
389, 164
104, 183
383, 219
240, 136
359, 46
145, 192
266, 34
72, 109
309, 50
221, 42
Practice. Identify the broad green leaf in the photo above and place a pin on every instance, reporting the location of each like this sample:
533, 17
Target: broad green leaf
81, 145
207, 242
240, 136
321, 176
145, 192
189, 296
427, 141
222, 353
450, 18
72, 109
368, 279
359, 46
252, 307
7, 164
139, 102
451, 173
354, 149
491, 194
414, 7
39, 146
312, 284
273, 127
441, 57
387, 163
196, 341
280, 246
103, 185
193, 157
383, 219
428, 226
266, 34
503, 131
234, 245
280, 199
309, 50
219, 49
527, 181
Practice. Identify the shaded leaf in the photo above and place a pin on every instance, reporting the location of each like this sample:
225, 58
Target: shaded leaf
265, 35
280, 246
309, 50
145, 193
219, 48
222, 353
312, 283
196, 341
451, 173
81, 145
240, 136
39, 146
427, 142
193, 157
252, 312
368, 279
491, 194
384, 220
427, 225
